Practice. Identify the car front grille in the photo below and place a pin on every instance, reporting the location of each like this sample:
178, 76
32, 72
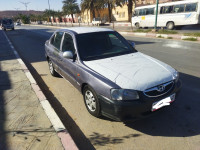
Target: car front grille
159, 89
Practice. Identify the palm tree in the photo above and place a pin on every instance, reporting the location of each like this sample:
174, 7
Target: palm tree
70, 7
48, 13
92, 5
59, 14
130, 8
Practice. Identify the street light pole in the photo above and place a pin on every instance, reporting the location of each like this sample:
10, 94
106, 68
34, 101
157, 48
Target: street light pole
156, 18
25, 4
49, 12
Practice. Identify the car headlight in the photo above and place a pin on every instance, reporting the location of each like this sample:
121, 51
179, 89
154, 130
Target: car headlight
123, 94
176, 75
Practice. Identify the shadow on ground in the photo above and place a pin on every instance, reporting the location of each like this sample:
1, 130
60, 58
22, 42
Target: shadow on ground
4, 85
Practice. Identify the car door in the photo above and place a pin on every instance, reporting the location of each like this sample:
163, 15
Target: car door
54, 50
68, 67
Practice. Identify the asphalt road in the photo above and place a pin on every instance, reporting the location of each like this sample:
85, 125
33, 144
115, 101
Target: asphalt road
174, 128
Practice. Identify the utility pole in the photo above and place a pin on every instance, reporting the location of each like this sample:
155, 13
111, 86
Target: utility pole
25, 4
49, 12
155, 26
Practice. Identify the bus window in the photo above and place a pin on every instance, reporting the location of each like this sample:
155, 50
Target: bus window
191, 7
150, 11
142, 12
179, 8
166, 9
136, 13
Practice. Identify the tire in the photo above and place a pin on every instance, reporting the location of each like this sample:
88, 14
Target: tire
91, 101
170, 25
51, 69
137, 25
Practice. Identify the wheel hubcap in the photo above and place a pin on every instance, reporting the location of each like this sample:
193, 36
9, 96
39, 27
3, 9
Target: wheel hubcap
90, 101
50, 66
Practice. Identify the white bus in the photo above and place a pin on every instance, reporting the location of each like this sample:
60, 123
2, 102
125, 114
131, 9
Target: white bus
170, 14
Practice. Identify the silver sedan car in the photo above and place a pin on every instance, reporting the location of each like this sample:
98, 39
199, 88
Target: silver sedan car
115, 79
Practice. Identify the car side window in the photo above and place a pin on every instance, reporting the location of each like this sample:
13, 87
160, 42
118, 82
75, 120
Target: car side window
56, 39
68, 44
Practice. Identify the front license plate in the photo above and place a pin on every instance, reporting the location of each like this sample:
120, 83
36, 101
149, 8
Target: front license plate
163, 102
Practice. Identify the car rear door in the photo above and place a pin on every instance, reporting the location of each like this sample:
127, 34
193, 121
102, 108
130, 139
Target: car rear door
54, 49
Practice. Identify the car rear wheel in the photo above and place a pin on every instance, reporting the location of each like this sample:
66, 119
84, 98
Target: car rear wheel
51, 69
91, 101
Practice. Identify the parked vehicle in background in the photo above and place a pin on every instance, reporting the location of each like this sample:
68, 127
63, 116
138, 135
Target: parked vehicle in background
170, 14
7, 24
18, 24
115, 79
39, 22
98, 21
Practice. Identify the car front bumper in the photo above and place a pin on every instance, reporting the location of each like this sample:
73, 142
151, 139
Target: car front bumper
132, 110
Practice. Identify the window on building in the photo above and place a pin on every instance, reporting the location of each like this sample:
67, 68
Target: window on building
123, 14
191, 7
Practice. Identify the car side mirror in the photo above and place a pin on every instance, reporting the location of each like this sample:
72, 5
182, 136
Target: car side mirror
132, 44
68, 54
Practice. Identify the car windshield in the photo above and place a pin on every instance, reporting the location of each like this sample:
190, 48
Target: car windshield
7, 21
101, 45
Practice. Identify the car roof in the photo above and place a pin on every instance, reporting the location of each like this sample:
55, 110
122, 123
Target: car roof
81, 30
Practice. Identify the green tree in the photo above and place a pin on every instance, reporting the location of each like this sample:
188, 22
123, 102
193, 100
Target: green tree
70, 7
49, 13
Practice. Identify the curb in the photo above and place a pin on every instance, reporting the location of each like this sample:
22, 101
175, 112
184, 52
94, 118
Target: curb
60, 129
165, 36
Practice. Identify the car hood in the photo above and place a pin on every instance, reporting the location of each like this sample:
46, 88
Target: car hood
133, 71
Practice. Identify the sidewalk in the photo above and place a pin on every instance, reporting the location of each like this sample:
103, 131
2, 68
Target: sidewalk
23, 121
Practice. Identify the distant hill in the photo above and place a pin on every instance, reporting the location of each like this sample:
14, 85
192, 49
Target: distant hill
13, 13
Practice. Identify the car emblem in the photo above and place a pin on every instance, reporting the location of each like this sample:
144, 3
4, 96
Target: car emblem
161, 88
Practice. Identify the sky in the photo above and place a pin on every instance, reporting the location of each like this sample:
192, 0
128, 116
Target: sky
39, 5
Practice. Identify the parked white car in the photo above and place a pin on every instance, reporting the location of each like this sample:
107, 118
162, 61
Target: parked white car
98, 21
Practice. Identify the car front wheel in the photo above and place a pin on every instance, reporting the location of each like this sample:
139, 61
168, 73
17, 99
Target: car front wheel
91, 101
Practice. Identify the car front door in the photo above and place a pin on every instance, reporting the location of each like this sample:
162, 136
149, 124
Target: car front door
68, 67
